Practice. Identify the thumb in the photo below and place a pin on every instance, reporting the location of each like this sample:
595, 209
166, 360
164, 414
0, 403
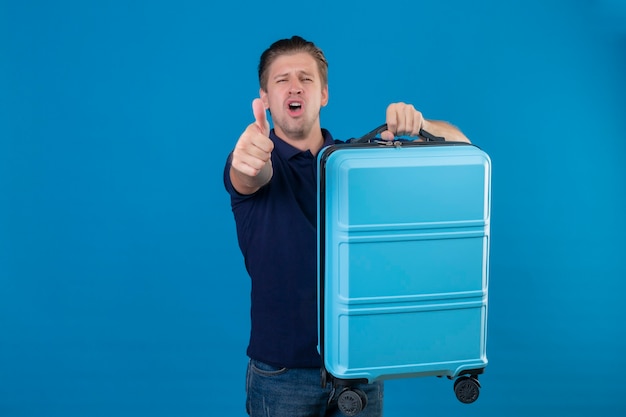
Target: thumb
387, 135
260, 117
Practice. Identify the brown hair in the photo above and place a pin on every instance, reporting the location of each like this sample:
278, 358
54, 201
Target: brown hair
290, 46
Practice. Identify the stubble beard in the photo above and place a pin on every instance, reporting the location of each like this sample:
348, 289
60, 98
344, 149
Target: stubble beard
296, 129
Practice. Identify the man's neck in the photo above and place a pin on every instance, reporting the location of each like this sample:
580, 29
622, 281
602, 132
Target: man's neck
312, 142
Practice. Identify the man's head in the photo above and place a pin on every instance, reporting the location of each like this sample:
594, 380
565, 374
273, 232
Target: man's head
290, 46
294, 87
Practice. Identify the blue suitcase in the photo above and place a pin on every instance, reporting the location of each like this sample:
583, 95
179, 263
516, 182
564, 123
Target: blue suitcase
403, 261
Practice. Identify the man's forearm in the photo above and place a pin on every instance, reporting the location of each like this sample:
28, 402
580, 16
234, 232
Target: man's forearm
246, 184
444, 129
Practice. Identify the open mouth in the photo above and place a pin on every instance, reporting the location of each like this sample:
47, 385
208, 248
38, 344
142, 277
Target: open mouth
295, 108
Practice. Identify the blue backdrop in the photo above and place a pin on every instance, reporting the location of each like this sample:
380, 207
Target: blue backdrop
122, 289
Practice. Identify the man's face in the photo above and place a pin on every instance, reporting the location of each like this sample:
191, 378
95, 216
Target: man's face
295, 95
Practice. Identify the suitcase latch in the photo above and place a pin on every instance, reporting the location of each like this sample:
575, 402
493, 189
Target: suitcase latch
395, 143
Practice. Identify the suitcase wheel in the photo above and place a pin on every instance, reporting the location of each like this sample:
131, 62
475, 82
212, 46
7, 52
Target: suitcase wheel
467, 389
351, 401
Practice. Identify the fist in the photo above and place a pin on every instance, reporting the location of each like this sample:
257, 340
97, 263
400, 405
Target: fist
402, 120
254, 147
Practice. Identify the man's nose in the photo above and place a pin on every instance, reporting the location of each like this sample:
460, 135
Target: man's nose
295, 88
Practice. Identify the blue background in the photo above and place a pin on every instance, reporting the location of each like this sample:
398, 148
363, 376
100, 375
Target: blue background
122, 289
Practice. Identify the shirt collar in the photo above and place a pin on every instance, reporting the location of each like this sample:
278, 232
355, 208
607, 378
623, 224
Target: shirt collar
287, 151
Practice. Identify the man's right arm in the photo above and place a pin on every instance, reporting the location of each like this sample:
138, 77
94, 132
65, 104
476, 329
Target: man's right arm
251, 165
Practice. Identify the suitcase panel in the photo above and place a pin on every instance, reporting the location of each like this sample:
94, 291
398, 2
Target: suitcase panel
410, 341
406, 268
404, 238
443, 189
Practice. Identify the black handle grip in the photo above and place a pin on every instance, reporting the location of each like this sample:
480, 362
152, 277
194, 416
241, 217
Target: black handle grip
428, 137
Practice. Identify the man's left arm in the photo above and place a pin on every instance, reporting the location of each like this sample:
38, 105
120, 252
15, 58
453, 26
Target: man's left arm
404, 120
445, 130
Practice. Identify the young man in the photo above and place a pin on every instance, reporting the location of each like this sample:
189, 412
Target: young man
271, 178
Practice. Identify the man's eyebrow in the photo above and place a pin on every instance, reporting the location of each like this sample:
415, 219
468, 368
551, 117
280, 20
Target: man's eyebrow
299, 72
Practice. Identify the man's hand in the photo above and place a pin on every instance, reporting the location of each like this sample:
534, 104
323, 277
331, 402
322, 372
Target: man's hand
251, 166
402, 120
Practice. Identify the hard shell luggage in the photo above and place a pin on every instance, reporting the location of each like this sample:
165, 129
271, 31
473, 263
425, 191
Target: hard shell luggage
403, 261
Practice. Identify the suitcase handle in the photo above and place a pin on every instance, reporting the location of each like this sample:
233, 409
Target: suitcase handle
428, 137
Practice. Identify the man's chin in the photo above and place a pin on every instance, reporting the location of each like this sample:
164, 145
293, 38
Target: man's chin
295, 132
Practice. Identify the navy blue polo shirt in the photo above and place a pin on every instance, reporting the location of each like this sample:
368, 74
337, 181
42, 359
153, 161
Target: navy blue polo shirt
277, 233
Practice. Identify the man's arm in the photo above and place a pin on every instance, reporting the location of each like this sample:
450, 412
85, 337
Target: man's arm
404, 120
251, 165
445, 130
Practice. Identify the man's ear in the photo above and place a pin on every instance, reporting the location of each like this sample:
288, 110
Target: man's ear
264, 98
324, 95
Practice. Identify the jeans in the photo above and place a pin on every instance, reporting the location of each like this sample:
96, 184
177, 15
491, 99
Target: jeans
282, 392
